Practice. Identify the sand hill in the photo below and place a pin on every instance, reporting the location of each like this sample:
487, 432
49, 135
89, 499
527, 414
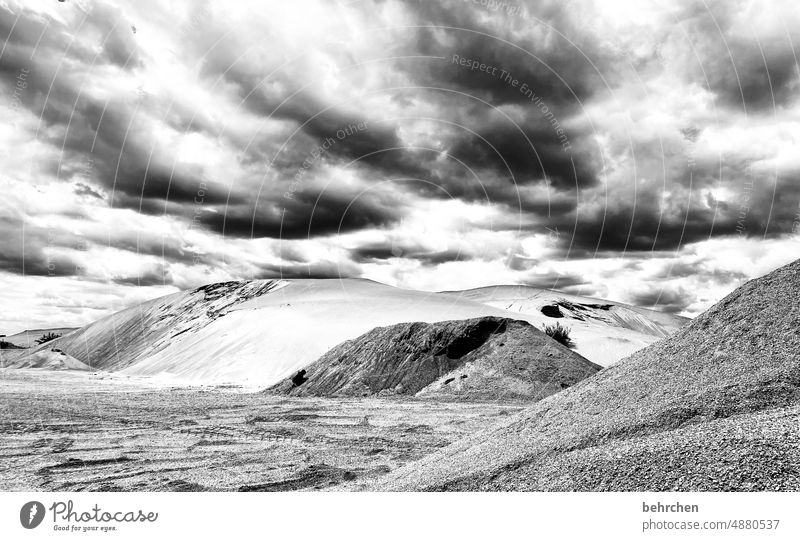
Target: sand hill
714, 407
252, 333
127, 337
49, 359
27, 339
477, 359
256, 333
15, 348
603, 331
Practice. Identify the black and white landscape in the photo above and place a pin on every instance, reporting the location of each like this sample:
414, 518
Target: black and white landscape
400, 245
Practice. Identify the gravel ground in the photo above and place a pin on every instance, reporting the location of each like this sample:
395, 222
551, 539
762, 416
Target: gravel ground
755, 452
79, 431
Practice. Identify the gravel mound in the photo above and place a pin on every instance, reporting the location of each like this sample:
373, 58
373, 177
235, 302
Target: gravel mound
485, 358
714, 407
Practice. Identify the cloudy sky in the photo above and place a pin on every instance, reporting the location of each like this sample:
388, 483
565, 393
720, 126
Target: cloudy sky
640, 151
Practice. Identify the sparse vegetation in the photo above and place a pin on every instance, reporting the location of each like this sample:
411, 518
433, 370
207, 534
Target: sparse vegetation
559, 333
47, 337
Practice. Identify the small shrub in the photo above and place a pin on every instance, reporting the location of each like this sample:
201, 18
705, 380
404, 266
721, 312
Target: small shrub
47, 337
560, 334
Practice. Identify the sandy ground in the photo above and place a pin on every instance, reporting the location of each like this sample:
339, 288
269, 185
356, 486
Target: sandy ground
79, 431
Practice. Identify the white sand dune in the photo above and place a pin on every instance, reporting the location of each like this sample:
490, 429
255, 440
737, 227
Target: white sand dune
48, 359
10, 358
27, 339
603, 331
255, 333
268, 337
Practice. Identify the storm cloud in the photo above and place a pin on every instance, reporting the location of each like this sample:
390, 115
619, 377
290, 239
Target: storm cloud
577, 145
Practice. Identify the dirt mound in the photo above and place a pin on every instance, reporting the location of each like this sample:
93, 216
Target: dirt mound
728, 385
484, 358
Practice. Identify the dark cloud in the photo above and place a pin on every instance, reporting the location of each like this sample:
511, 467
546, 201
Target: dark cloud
165, 248
622, 228
106, 141
30, 249
685, 269
744, 70
25, 251
307, 214
547, 52
85, 189
528, 153
528, 146
377, 252
350, 136
663, 300
554, 280
546, 77
155, 277
128, 163
35, 263
38, 43
663, 216
346, 132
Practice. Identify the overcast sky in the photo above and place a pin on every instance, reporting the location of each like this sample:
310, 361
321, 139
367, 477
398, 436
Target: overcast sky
644, 151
